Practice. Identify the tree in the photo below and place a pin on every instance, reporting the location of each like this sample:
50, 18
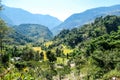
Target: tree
3, 32
28, 54
41, 56
37, 56
51, 56
111, 23
5, 59
58, 52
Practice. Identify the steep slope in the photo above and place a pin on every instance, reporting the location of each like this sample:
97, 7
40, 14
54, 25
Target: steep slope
38, 33
17, 38
101, 26
85, 17
19, 16
96, 45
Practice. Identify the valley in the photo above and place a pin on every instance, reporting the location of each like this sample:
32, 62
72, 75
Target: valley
88, 48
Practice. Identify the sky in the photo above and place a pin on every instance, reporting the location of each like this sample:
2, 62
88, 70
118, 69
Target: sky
60, 9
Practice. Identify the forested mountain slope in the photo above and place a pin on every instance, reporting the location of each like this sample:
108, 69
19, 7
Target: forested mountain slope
101, 26
38, 33
95, 45
88, 53
86, 17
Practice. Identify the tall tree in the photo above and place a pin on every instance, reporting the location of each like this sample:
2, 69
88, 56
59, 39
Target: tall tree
3, 32
51, 56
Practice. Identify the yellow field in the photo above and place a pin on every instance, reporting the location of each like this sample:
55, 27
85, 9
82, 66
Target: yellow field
47, 44
67, 51
40, 50
64, 49
37, 49
61, 60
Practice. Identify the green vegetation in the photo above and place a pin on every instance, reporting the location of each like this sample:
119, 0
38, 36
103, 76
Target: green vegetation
30, 33
88, 53
34, 31
3, 33
95, 48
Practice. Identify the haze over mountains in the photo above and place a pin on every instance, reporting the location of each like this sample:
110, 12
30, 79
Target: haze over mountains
28, 27
85, 17
17, 16
30, 51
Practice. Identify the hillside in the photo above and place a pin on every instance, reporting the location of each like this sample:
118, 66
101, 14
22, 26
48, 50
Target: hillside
85, 17
96, 45
101, 26
17, 16
17, 38
38, 33
90, 52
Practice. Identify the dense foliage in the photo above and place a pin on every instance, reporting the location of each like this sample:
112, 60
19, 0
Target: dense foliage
101, 26
95, 45
34, 31
88, 53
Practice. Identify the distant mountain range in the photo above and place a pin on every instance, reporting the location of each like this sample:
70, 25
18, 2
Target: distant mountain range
85, 17
17, 16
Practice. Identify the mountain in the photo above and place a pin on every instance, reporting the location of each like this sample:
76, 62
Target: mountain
96, 45
75, 36
38, 33
17, 16
85, 17
17, 38
6, 19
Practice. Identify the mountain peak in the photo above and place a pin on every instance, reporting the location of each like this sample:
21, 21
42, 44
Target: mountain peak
20, 16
